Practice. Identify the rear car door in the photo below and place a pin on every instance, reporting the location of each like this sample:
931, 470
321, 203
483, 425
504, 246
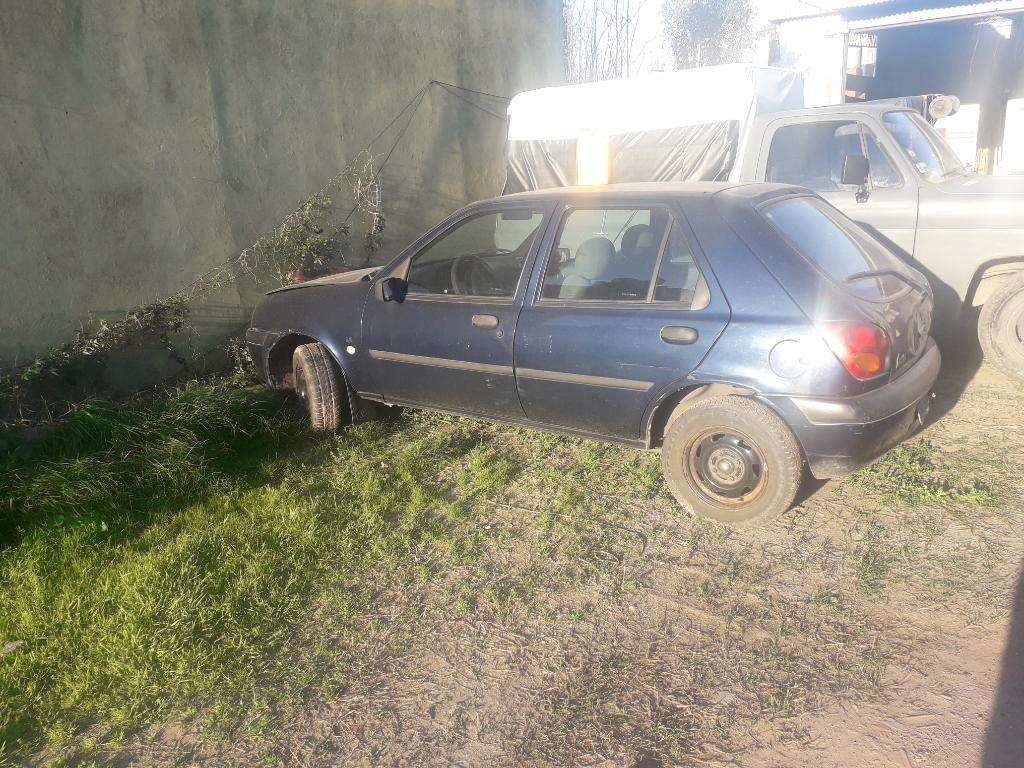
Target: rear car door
810, 152
622, 305
448, 344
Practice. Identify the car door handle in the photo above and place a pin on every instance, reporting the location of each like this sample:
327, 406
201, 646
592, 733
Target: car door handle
485, 321
678, 334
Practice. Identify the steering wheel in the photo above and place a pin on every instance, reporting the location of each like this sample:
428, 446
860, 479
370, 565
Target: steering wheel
472, 276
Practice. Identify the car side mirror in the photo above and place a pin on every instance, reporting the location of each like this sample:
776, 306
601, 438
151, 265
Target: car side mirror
856, 173
393, 289
855, 170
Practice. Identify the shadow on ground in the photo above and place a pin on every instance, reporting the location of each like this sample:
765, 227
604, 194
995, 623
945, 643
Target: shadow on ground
1004, 740
961, 360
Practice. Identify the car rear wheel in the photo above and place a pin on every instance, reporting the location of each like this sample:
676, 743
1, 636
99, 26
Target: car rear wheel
731, 459
320, 387
1001, 329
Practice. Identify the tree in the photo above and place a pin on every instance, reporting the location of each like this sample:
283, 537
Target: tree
706, 32
601, 40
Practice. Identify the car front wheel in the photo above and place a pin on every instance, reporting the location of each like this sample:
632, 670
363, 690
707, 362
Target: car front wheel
731, 459
1001, 329
320, 387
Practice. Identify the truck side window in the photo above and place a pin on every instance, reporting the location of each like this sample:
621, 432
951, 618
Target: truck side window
483, 256
812, 154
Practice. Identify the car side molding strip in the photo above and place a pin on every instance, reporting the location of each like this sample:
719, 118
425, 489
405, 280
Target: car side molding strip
507, 370
579, 378
441, 362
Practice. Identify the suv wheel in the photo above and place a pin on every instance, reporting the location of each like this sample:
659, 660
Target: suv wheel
731, 459
319, 386
1001, 329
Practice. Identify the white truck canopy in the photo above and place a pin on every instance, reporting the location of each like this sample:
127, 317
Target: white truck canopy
671, 126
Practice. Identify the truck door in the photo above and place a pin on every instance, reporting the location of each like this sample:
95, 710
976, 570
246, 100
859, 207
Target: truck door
810, 152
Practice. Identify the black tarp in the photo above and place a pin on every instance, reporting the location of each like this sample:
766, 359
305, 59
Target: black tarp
540, 165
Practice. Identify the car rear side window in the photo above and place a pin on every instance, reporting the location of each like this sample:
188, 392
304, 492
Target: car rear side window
811, 226
679, 279
634, 255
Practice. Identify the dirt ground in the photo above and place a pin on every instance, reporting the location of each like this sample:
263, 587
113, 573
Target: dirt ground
880, 623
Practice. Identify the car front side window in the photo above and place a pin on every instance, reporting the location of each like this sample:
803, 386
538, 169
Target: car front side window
482, 256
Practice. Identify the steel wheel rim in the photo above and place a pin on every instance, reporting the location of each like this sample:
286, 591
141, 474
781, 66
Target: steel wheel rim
725, 467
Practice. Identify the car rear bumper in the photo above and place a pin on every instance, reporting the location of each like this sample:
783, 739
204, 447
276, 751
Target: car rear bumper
839, 435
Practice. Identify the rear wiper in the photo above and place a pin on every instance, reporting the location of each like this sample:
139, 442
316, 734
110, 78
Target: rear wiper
887, 271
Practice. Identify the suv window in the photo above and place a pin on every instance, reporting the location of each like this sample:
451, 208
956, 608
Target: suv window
613, 254
483, 256
818, 232
812, 155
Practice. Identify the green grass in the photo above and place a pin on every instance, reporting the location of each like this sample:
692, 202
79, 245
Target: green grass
197, 553
912, 473
164, 556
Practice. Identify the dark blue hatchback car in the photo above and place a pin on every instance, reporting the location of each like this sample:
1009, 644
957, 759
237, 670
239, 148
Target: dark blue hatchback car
746, 330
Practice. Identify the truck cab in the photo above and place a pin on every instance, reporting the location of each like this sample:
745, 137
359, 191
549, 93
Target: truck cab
964, 230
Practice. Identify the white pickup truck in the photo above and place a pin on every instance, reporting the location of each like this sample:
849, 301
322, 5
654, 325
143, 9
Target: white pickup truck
883, 165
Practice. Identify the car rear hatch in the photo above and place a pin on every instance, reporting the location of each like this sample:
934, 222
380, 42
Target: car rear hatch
874, 282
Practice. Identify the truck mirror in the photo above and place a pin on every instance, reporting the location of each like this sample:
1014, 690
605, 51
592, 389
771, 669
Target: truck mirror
393, 289
855, 170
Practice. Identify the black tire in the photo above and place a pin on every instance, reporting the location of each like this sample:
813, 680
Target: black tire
1001, 329
731, 459
320, 387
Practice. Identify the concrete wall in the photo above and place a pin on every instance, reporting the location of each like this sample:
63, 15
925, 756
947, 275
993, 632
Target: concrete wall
144, 140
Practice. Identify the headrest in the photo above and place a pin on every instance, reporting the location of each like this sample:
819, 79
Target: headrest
637, 238
593, 258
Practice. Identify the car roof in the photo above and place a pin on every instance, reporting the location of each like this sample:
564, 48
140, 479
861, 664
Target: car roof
639, 189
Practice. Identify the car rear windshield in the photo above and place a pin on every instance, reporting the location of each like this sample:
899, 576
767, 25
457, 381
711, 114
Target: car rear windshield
816, 231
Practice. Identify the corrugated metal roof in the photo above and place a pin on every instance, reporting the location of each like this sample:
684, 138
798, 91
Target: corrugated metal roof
844, 7
924, 15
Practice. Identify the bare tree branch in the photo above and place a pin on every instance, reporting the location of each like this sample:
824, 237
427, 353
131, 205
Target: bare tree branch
601, 39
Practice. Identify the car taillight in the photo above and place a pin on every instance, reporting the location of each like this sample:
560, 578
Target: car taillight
863, 348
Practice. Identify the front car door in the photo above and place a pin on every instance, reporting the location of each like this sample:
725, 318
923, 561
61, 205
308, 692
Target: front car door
448, 344
622, 306
810, 152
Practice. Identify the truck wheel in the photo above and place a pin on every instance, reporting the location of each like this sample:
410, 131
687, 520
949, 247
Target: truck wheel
731, 459
320, 387
1001, 329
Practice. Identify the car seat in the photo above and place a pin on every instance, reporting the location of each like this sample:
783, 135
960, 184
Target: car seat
587, 277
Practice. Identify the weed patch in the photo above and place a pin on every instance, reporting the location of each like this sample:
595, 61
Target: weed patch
911, 474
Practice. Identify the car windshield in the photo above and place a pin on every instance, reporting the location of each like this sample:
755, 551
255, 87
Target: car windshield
928, 152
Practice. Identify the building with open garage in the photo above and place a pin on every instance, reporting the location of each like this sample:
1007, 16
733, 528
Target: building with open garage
863, 50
